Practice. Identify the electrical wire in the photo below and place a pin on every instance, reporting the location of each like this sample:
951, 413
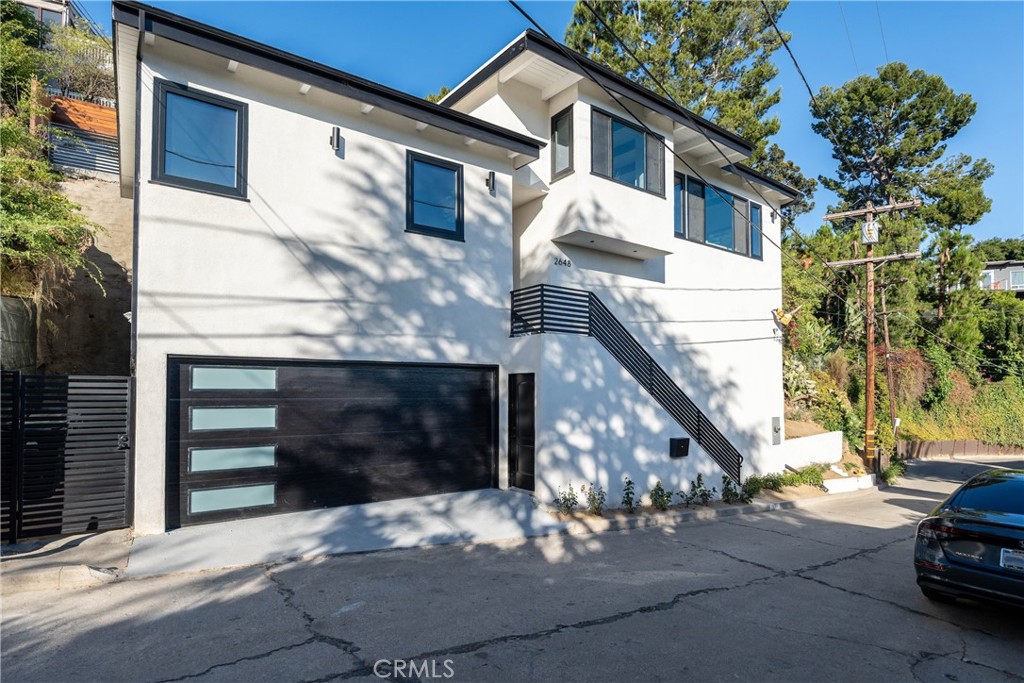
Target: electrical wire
849, 38
885, 48
695, 119
577, 59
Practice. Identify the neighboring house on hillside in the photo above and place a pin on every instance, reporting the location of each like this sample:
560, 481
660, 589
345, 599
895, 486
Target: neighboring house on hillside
1007, 276
344, 293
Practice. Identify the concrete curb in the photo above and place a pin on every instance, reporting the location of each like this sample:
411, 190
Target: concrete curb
588, 524
67, 577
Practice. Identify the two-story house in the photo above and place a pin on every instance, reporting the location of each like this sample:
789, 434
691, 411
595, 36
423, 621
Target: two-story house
344, 293
1006, 276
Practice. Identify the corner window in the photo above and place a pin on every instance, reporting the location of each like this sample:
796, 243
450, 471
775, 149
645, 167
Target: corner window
987, 281
434, 197
626, 154
199, 140
561, 144
1017, 279
712, 216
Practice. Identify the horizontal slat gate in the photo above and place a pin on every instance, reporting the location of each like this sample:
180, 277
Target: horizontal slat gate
65, 455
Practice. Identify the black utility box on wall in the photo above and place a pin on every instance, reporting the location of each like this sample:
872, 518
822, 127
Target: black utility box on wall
678, 448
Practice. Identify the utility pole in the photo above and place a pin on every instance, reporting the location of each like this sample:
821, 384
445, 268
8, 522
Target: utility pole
888, 367
869, 237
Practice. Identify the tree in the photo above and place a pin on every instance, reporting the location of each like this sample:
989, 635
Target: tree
996, 249
20, 36
889, 134
713, 58
79, 62
41, 230
439, 95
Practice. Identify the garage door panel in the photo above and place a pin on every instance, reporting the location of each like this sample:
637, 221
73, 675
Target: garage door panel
329, 434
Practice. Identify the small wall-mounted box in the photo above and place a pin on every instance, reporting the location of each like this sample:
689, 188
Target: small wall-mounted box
678, 448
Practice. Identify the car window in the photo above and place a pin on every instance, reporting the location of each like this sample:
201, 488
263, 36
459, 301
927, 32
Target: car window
992, 494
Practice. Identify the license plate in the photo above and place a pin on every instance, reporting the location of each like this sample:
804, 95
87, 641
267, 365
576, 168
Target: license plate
1012, 559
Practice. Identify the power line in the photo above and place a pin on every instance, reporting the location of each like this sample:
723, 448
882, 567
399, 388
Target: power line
849, 38
576, 58
718, 149
885, 48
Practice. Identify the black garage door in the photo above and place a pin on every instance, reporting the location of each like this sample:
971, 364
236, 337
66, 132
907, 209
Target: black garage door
256, 437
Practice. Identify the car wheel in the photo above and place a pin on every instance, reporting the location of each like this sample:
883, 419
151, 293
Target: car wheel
936, 596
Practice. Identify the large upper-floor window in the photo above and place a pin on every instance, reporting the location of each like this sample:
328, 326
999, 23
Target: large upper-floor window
1017, 279
434, 197
199, 140
709, 215
625, 153
561, 144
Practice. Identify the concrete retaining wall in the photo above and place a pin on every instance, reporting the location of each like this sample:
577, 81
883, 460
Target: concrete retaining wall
18, 336
802, 451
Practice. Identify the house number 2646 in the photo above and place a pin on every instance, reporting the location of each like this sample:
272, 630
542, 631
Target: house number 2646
564, 262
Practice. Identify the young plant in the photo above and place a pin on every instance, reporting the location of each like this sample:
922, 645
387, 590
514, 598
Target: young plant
595, 500
567, 500
698, 493
892, 471
732, 494
629, 501
660, 498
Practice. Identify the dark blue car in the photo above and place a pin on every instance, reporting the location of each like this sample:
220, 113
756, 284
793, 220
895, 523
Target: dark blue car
972, 545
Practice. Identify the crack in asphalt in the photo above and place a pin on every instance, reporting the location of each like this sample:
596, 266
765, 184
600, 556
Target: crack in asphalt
249, 658
783, 533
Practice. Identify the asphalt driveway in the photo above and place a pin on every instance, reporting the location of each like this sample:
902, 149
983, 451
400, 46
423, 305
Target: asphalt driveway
820, 593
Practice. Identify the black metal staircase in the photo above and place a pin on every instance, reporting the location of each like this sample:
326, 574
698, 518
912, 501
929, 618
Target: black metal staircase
546, 308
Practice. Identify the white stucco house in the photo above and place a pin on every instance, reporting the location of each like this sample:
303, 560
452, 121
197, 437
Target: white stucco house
343, 293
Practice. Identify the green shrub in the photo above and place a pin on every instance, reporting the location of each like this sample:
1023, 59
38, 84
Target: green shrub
629, 501
595, 500
732, 494
567, 500
895, 469
660, 498
698, 493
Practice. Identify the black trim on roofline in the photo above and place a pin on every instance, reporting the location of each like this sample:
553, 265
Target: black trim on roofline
538, 44
230, 46
757, 177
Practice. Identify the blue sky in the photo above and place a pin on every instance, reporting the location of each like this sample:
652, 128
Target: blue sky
977, 47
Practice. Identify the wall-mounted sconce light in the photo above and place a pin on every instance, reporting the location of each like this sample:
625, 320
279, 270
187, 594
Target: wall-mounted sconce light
338, 142
491, 182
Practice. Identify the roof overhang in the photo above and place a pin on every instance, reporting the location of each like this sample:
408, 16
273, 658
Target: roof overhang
133, 21
521, 54
775, 189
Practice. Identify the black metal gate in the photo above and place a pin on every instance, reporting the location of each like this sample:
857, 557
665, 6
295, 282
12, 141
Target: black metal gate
63, 454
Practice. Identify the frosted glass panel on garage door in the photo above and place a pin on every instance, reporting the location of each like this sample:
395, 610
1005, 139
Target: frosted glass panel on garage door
234, 378
242, 457
209, 500
233, 418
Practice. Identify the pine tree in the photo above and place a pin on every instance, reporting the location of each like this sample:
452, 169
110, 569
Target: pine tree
713, 58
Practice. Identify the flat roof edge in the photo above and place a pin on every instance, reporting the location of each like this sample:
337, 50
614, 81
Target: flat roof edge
208, 38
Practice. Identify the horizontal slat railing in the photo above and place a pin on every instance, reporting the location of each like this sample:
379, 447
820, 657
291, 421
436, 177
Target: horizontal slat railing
546, 308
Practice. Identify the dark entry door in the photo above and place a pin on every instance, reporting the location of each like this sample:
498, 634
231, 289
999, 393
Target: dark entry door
521, 431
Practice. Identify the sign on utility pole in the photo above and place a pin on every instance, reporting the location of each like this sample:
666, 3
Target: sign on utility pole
869, 236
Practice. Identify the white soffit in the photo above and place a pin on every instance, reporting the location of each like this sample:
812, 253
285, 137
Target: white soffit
610, 245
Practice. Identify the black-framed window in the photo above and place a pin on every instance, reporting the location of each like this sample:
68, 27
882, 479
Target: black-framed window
561, 144
434, 197
710, 215
199, 141
625, 153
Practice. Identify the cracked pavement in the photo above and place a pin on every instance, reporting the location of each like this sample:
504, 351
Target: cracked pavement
821, 593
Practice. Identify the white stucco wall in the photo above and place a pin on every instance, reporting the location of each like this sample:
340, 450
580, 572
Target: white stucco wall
705, 314
317, 263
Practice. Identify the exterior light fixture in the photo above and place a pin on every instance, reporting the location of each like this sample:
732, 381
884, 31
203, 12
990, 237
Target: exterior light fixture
490, 182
